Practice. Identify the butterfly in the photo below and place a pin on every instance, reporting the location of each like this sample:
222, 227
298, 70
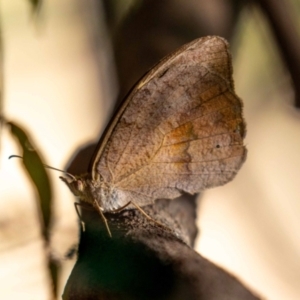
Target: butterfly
180, 130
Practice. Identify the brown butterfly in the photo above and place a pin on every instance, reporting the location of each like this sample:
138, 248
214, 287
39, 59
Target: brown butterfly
180, 130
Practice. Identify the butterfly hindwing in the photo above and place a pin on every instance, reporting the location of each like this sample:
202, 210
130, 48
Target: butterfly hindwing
180, 130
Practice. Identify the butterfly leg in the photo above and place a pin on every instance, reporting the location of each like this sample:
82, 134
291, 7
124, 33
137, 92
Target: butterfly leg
97, 206
121, 208
77, 204
141, 211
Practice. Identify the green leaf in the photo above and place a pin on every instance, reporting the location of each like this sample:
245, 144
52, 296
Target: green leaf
35, 169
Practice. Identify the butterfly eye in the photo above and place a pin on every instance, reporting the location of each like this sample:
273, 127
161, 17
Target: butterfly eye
79, 185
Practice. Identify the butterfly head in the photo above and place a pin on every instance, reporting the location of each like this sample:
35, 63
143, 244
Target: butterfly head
94, 192
77, 185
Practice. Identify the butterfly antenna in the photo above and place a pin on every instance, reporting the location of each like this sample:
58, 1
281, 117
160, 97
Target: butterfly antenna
46, 166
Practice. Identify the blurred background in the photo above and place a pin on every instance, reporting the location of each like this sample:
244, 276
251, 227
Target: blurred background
64, 67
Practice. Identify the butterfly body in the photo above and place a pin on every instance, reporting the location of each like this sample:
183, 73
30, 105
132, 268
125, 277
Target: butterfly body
180, 130
95, 192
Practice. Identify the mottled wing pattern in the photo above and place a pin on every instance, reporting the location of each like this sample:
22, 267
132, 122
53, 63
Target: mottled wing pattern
180, 130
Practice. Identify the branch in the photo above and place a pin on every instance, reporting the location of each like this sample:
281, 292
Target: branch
145, 261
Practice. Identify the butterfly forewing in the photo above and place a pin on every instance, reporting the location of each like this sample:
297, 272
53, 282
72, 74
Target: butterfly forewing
180, 130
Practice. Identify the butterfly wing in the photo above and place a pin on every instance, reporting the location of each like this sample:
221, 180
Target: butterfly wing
180, 130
